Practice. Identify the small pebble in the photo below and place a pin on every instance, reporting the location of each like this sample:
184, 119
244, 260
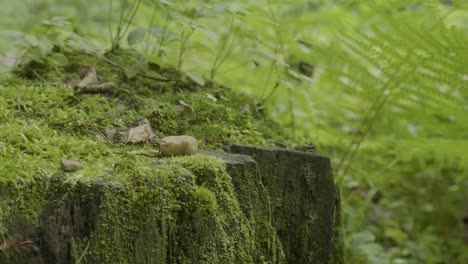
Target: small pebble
178, 146
70, 165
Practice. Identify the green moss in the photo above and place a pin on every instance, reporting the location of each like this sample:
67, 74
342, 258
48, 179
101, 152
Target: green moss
183, 211
339, 250
130, 208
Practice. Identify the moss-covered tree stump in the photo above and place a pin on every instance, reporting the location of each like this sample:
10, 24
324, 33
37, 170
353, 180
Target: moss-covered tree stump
272, 206
122, 203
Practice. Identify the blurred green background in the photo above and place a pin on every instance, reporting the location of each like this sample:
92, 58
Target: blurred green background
381, 87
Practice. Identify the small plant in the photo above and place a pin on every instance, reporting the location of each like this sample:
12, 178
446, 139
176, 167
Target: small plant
125, 20
226, 47
187, 27
48, 48
276, 62
162, 33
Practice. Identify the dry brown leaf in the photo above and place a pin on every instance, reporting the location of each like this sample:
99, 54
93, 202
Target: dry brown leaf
90, 78
186, 110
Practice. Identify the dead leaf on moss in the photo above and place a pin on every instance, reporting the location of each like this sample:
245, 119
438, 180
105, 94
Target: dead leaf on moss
196, 78
211, 97
90, 78
117, 135
82, 72
140, 133
20, 243
73, 82
90, 83
307, 148
245, 109
99, 88
186, 110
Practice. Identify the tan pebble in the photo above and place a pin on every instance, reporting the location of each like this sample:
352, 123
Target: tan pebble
70, 165
178, 146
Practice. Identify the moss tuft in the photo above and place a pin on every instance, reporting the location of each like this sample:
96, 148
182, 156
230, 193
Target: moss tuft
124, 206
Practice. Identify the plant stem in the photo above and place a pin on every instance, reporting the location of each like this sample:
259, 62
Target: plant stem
219, 60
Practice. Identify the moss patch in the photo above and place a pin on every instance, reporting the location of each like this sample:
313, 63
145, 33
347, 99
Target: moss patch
130, 208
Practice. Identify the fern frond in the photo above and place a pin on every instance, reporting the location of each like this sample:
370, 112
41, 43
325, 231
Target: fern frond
401, 67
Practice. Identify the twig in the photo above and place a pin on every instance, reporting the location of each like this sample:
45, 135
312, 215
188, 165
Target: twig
84, 252
270, 94
149, 155
40, 77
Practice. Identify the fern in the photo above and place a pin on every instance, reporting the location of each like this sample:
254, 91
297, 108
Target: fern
400, 67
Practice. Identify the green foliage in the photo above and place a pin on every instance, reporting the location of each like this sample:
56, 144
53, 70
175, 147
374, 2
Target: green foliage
386, 99
127, 14
404, 91
47, 49
180, 210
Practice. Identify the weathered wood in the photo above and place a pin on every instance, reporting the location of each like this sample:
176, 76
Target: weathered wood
288, 202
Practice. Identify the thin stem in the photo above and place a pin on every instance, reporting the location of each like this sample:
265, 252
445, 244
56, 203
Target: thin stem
291, 111
115, 44
219, 60
186, 34
153, 16
374, 110
110, 22
370, 117
122, 28
187, 31
131, 16
267, 81
162, 39
271, 93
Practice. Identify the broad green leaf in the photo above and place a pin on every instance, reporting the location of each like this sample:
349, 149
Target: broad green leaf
288, 84
32, 40
32, 54
396, 234
363, 237
204, 45
46, 46
9, 33
56, 21
160, 32
269, 55
77, 42
213, 36
189, 13
165, 2
219, 9
197, 12
136, 36
58, 59
131, 72
237, 10
211, 97
196, 77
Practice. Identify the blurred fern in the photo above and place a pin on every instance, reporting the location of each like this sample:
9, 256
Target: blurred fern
400, 68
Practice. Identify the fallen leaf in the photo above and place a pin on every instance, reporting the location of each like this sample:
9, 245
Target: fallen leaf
245, 109
140, 134
196, 78
211, 97
89, 79
186, 110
